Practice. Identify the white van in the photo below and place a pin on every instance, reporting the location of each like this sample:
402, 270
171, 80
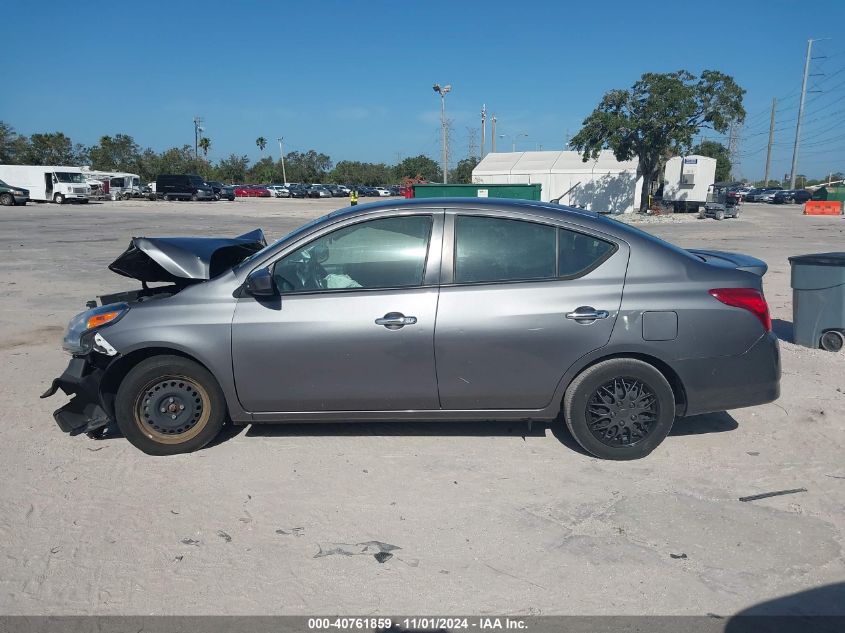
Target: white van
48, 183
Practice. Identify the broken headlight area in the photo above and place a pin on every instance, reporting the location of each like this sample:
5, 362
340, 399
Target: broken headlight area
86, 412
82, 336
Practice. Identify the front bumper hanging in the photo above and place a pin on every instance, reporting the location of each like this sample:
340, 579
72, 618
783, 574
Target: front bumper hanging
85, 412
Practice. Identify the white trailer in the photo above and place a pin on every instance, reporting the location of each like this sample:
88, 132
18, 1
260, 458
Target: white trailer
117, 185
48, 183
686, 180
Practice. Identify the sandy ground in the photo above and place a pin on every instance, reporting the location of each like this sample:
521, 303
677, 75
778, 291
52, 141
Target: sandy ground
487, 518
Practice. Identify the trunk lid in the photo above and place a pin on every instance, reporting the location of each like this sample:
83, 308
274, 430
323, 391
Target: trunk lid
737, 261
185, 259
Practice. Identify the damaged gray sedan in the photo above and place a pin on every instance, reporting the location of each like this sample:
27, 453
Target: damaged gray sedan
422, 310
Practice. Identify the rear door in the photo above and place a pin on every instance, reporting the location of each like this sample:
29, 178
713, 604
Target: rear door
521, 302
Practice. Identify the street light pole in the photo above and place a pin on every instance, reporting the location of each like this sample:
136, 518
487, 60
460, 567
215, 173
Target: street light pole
444, 151
513, 140
281, 140
197, 130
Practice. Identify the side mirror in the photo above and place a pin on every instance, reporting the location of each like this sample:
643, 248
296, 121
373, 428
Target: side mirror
260, 283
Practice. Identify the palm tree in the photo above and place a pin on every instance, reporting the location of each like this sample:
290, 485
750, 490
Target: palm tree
205, 143
261, 142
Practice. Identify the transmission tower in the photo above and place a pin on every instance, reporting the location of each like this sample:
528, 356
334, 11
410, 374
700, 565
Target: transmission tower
733, 147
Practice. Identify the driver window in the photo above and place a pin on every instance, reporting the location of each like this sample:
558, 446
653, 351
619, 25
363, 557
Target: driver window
383, 253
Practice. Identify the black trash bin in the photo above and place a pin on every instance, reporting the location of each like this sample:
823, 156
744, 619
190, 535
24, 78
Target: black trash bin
818, 300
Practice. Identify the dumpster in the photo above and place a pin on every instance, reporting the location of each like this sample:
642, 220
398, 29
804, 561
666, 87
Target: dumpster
524, 192
818, 300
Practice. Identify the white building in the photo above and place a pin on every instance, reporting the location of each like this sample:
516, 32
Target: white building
605, 185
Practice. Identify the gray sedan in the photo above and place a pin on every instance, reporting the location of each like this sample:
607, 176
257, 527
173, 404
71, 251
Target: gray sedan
449, 309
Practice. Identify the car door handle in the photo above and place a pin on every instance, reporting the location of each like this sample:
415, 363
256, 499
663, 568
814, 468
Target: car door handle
587, 313
395, 320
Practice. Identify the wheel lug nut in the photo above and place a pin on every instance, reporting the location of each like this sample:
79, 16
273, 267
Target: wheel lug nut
173, 417
181, 407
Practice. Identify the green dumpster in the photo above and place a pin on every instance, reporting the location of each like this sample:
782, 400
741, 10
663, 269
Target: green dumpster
833, 192
523, 192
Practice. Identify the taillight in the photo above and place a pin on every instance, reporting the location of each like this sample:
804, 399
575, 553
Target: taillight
749, 299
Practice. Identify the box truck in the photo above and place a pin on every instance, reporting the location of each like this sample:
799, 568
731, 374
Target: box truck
47, 183
686, 180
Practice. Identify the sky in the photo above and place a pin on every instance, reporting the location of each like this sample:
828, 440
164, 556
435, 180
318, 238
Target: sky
354, 79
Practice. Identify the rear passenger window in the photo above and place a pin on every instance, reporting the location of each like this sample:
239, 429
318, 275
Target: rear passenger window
578, 253
496, 249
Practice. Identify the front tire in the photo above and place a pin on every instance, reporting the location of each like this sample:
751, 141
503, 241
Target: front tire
59, 199
194, 197
7, 200
167, 405
720, 214
619, 409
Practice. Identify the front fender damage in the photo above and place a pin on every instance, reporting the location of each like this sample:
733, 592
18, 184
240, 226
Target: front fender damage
86, 412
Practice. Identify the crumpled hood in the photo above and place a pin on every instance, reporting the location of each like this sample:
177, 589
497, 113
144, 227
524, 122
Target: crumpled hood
179, 259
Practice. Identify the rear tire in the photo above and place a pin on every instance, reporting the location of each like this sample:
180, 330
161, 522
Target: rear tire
167, 405
832, 341
166, 198
194, 197
702, 215
619, 409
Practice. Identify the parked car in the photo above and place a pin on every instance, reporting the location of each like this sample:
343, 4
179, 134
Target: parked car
182, 187
10, 196
756, 195
529, 311
769, 195
800, 196
298, 191
382, 192
221, 191
319, 192
279, 191
336, 191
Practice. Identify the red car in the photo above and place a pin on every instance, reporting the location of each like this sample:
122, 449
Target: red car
252, 191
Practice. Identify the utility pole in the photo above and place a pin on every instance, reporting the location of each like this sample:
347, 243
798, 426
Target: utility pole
483, 128
281, 140
771, 140
800, 114
444, 150
197, 129
733, 146
493, 135
471, 146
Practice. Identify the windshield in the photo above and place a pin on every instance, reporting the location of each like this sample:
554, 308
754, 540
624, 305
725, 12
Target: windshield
136, 182
196, 181
302, 229
66, 176
3, 184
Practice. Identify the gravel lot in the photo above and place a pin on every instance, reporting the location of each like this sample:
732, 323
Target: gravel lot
488, 518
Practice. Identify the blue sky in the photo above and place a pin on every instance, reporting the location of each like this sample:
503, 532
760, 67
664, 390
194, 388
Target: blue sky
354, 79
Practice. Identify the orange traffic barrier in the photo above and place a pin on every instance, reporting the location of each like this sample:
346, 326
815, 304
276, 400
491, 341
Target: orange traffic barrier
823, 207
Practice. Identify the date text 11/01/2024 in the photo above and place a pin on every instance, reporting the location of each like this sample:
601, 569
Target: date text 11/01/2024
417, 623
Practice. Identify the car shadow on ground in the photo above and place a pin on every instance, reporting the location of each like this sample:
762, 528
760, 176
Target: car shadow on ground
720, 422
783, 330
821, 609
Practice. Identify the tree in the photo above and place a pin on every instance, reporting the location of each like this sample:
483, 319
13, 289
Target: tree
232, 169
52, 148
8, 143
462, 174
204, 144
261, 142
309, 166
657, 117
264, 170
118, 153
722, 156
419, 167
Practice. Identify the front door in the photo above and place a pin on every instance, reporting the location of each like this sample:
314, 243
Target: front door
354, 327
514, 311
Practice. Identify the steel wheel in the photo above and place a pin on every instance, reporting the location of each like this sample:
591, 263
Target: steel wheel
172, 409
622, 412
7, 200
